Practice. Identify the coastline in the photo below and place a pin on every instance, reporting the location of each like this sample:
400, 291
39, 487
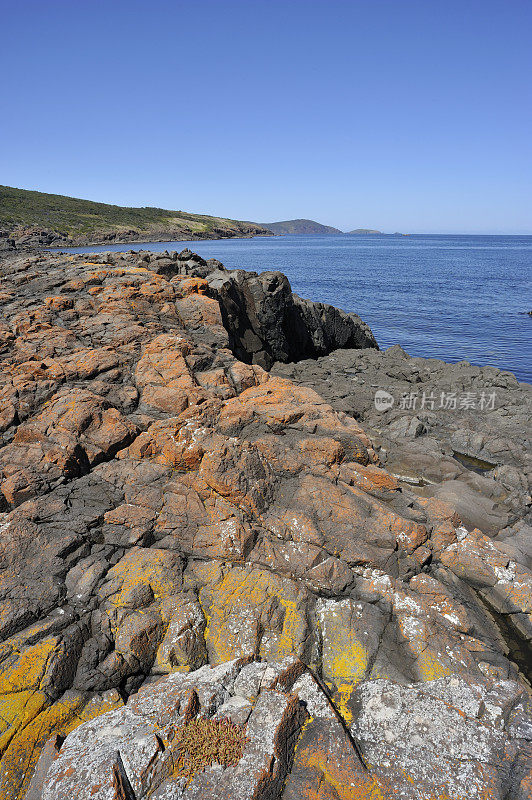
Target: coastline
6, 248
44, 241
411, 290
204, 509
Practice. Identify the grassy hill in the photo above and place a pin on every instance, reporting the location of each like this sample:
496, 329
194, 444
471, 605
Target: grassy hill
40, 218
298, 226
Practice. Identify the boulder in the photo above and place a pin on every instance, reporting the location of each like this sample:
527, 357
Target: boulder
267, 323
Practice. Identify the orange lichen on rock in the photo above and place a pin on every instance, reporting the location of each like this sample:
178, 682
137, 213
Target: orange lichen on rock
369, 478
163, 377
188, 286
167, 507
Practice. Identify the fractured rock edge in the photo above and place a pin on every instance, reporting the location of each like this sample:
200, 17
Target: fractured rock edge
295, 744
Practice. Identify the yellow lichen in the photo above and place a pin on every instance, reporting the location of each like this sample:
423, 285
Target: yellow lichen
251, 610
22, 696
17, 710
29, 667
341, 700
143, 567
22, 753
349, 659
430, 667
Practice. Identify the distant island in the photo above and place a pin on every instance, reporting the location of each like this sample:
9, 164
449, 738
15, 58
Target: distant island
364, 231
38, 218
291, 226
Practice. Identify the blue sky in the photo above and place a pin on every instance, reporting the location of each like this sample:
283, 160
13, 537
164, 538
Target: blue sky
394, 114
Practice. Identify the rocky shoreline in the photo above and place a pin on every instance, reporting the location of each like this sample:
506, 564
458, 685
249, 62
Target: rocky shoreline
38, 219
225, 572
26, 238
454, 431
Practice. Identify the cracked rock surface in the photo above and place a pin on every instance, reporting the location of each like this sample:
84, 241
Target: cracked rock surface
186, 536
454, 431
296, 745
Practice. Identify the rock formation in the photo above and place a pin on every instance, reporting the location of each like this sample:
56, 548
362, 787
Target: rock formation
261, 730
266, 322
453, 431
211, 587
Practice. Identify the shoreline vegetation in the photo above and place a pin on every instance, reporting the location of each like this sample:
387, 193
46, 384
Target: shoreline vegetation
39, 219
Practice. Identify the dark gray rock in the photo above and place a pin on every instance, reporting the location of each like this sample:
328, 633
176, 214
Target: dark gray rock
267, 322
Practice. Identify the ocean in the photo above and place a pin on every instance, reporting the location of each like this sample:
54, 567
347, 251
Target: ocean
439, 296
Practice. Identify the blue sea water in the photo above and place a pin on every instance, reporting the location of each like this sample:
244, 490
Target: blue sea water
450, 297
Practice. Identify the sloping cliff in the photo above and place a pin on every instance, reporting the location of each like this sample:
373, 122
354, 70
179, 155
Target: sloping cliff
30, 218
187, 538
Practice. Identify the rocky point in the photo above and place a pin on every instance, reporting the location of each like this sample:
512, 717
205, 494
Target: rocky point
224, 573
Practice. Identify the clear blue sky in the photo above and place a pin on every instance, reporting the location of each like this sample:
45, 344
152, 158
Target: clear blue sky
394, 114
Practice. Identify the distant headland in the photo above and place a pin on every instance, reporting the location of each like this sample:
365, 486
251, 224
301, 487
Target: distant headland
292, 226
38, 219
310, 226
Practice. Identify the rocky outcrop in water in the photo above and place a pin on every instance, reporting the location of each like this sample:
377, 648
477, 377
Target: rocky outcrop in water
267, 323
185, 537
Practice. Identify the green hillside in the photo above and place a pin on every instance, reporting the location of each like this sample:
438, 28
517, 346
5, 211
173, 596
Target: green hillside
291, 226
52, 217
